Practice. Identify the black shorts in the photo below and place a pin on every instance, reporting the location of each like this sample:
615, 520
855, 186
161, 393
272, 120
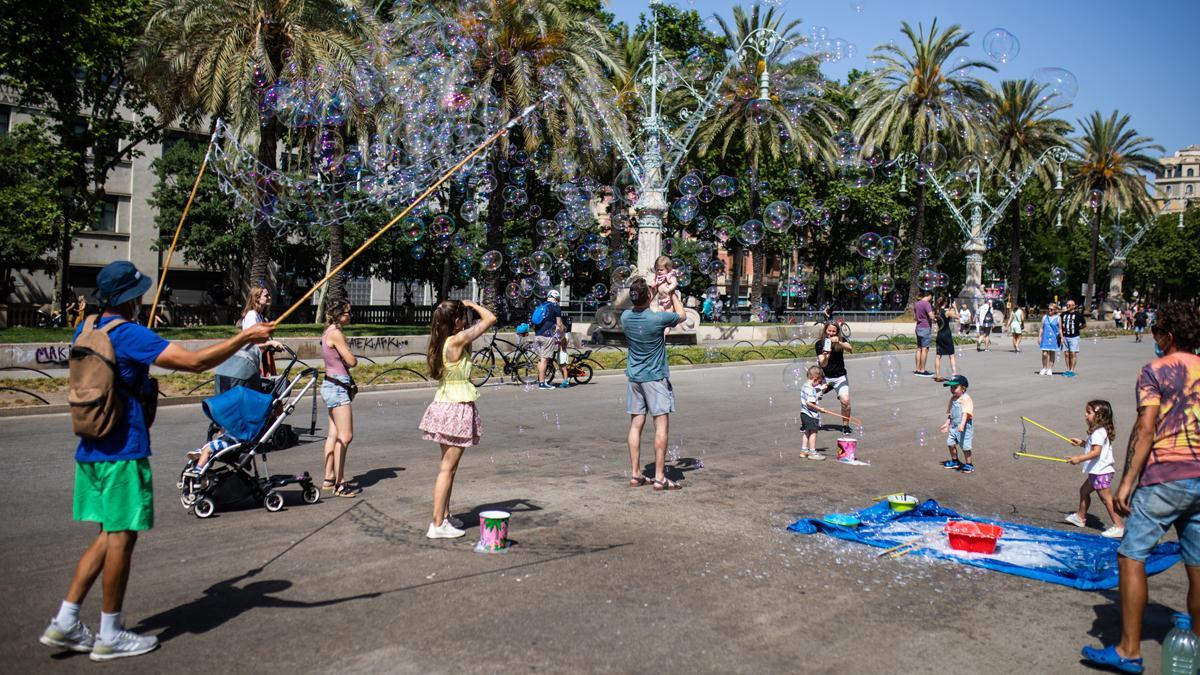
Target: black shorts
810, 423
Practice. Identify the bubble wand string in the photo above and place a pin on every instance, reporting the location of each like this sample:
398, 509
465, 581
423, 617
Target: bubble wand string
1048, 430
420, 198
162, 275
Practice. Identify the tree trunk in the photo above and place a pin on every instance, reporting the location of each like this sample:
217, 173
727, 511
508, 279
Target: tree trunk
918, 238
444, 287
336, 291
260, 260
736, 287
1095, 244
1014, 255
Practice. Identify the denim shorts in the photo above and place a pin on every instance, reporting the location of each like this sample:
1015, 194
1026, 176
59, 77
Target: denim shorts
1071, 344
963, 439
335, 396
1153, 509
924, 338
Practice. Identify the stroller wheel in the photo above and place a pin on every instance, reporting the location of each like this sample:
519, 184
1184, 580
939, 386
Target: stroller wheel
273, 501
311, 494
187, 499
204, 507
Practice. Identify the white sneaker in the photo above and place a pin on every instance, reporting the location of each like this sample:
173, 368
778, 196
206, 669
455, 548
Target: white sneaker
804, 454
1113, 532
816, 456
77, 638
443, 531
1074, 519
454, 521
127, 643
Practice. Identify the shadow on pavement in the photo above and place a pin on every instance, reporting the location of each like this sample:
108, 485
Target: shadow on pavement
1107, 625
225, 600
674, 471
366, 480
471, 518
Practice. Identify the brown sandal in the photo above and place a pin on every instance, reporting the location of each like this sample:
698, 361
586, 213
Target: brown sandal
344, 490
665, 485
638, 481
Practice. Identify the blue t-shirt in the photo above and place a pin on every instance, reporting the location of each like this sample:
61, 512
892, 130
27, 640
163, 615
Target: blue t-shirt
549, 325
136, 347
647, 358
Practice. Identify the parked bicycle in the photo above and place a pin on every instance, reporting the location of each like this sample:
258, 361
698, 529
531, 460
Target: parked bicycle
518, 362
578, 371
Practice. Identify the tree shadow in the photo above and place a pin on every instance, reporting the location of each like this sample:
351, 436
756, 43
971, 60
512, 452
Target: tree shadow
366, 480
1106, 627
471, 518
224, 601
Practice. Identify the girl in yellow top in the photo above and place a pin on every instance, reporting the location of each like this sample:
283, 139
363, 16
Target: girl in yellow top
451, 420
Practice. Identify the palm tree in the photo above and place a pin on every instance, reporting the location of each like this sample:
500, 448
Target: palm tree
1109, 174
527, 49
918, 98
1021, 128
789, 122
214, 58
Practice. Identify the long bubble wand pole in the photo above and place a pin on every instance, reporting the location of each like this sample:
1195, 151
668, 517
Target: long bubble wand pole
438, 183
162, 276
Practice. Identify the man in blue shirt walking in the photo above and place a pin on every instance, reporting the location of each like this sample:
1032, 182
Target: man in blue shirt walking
112, 473
649, 389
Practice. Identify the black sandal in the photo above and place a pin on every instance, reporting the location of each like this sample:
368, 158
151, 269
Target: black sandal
665, 485
638, 481
344, 490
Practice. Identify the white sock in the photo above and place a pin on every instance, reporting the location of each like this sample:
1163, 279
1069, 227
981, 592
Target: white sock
68, 614
110, 625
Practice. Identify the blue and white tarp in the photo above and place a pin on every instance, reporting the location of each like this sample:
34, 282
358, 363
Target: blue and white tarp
1084, 561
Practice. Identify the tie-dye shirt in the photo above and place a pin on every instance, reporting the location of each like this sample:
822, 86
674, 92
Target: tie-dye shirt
1173, 384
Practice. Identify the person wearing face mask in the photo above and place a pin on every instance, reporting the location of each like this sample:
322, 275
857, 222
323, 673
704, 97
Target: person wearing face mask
1160, 486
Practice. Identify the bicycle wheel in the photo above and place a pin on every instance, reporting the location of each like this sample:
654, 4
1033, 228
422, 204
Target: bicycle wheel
483, 366
524, 366
581, 373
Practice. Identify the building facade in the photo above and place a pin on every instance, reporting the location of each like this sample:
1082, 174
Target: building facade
1178, 181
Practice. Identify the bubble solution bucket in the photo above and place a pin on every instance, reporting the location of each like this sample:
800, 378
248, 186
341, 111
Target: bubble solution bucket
902, 502
967, 535
493, 531
846, 448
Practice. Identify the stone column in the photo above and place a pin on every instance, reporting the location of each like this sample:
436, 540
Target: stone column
1116, 282
973, 288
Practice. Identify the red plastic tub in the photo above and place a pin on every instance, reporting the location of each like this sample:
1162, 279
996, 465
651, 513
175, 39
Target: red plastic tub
968, 535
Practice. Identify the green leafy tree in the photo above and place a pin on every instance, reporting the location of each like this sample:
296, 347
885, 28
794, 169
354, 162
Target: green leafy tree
1021, 128
212, 58
1166, 263
765, 127
1110, 174
68, 62
30, 203
918, 98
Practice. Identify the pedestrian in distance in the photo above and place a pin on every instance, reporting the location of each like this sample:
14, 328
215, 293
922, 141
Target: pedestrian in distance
1073, 322
548, 329
944, 342
1098, 467
452, 420
1141, 318
113, 485
649, 390
960, 424
1049, 338
1160, 485
986, 323
923, 311
831, 353
338, 391
1017, 327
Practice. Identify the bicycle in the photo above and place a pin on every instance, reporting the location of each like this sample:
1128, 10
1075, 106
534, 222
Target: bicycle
578, 371
519, 362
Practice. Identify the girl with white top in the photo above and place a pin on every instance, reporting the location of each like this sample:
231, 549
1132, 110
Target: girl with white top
245, 366
1099, 467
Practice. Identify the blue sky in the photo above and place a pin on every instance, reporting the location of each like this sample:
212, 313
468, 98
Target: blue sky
1131, 56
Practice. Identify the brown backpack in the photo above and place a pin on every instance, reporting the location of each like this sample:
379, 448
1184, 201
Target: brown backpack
93, 380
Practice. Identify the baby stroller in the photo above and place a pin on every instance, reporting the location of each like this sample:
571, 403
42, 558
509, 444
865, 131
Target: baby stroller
250, 420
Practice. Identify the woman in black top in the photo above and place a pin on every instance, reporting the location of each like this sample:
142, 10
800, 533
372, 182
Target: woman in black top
944, 341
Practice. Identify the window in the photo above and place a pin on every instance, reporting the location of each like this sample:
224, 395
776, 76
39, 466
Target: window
106, 215
358, 291
1190, 172
1188, 189
5, 119
1168, 190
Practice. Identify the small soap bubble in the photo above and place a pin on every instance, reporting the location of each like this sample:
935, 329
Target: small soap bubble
587, 469
747, 380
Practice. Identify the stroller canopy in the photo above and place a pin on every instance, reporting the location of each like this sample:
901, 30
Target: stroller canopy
241, 412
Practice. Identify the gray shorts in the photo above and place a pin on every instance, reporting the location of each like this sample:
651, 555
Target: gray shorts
656, 397
546, 347
1071, 344
924, 338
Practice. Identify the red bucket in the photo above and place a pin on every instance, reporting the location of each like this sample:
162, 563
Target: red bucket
968, 535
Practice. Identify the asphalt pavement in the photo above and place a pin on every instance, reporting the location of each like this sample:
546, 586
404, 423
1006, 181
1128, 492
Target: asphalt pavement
601, 577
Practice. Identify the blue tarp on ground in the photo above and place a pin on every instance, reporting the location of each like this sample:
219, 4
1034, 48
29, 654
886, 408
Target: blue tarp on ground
1076, 559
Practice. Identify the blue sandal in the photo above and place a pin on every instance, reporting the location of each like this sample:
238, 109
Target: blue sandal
1108, 656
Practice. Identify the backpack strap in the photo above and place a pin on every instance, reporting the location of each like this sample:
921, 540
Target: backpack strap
112, 324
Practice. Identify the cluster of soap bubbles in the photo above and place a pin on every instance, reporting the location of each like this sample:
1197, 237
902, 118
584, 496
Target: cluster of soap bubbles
1059, 86
830, 49
1000, 45
889, 366
872, 246
1057, 277
929, 279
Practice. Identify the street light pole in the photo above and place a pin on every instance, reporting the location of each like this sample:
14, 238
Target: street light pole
976, 226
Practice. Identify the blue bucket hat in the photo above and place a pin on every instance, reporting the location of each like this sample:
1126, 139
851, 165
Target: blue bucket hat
120, 282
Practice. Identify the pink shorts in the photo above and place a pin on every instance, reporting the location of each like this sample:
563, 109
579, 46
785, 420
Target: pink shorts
1101, 481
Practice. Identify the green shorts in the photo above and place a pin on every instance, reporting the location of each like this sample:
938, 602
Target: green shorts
118, 495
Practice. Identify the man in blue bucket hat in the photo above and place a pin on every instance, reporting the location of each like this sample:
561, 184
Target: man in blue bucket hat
112, 472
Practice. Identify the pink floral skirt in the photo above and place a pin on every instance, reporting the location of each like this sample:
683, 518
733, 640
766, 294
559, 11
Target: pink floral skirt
454, 424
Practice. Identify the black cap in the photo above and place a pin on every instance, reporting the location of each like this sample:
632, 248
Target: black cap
957, 380
120, 282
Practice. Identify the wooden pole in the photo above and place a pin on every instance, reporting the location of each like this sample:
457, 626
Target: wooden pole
162, 275
438, 183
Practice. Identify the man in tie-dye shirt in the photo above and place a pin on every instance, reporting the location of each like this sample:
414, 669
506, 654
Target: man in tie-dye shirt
1161, 484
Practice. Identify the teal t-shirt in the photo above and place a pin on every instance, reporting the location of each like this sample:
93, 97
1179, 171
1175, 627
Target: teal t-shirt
647, 359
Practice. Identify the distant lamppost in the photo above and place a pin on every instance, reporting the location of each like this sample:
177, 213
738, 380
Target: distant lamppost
975, 226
